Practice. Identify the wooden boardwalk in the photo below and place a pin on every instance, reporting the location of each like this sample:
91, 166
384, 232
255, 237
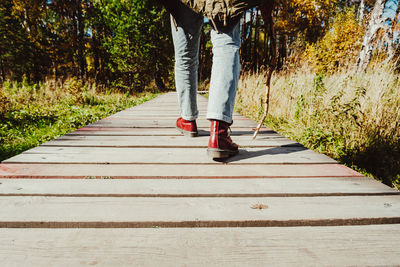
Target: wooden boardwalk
130, 190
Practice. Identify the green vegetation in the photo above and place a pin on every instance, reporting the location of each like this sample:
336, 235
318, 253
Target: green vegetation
33, 114
352, 117
123, 44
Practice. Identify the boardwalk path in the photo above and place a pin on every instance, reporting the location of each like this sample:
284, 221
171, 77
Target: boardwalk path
162, 201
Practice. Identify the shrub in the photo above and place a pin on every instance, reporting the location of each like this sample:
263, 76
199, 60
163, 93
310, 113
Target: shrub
339, 46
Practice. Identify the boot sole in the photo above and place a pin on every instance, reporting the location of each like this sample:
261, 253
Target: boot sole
217, 153
187, 133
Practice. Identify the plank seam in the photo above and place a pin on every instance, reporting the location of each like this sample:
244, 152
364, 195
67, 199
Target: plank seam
222, 195
169, 177
164, 163
200, 224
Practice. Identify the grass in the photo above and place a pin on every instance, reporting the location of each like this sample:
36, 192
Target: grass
352, 117
33, 114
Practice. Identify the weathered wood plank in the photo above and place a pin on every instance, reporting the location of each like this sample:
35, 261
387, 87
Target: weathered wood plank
161, 141
162, 132
172, 97
187, 171
149, 117
164, 113
195, 188
168, 107
282, 155
372, 245
163, 123
107, 212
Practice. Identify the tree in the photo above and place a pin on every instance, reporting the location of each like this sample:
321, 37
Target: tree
136, 38
379, 25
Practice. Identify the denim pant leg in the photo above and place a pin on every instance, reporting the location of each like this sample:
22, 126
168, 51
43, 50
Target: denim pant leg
186, 43
224, 74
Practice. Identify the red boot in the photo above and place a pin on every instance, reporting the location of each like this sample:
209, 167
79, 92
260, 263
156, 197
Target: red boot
188, 128
220, 144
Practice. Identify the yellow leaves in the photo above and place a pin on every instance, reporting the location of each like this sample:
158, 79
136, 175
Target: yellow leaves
311, 9
339, 44
298, 14
32, 6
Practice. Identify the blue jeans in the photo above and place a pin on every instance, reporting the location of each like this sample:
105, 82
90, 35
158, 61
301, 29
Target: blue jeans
225, 69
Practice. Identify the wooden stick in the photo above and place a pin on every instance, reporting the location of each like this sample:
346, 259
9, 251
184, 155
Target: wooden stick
268, 20
266, 104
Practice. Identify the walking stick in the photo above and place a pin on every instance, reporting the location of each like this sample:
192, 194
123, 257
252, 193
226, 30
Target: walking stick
266, 12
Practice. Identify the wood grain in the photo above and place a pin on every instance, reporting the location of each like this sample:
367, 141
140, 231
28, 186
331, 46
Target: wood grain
162, 141
121, 131
195, 187
158, 123
294, 246
154, 155
173, 171
196, 212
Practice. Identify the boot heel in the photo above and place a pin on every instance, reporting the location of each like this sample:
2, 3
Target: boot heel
215, 154
187, 133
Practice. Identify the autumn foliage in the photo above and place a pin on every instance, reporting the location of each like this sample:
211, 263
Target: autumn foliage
339, 47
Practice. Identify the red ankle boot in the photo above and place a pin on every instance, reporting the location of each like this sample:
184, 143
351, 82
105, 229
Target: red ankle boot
220, 144
188, 128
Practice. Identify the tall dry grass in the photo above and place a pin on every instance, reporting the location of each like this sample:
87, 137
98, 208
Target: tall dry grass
352, 117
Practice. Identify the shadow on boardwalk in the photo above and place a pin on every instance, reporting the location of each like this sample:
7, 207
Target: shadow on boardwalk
245, 154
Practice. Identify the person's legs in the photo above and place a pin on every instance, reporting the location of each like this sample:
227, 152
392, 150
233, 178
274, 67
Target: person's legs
224, 81
224, 74
186, 43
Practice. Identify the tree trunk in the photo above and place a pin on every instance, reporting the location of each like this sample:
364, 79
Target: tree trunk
243, 45
96, 54
256, 37
360, 13
282, 50
55, 71
376, 23
80, 41
250, 56
202, 55
389, 36
265, 47
158, 80
3, 74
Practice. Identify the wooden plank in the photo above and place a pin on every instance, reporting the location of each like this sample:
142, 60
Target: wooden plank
169, 107
281, 155
102, 131
173, 97
161, 141
372, 245
66, 212
187, 171
170, 103
163, 123
165, 113
195, 188
147, 116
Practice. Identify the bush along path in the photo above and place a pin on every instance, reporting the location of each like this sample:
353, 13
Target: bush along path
31, 115
353, 118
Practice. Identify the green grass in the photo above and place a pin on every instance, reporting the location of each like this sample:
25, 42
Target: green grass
33, 114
